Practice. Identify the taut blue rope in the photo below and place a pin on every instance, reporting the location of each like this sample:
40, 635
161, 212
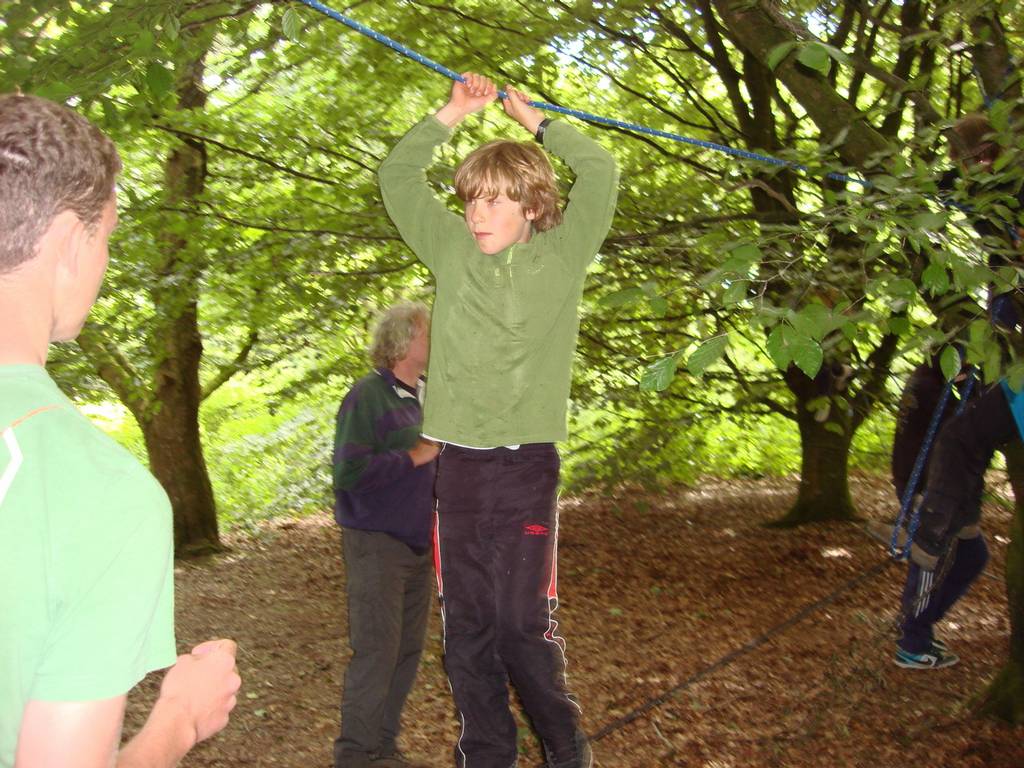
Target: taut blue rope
452, 75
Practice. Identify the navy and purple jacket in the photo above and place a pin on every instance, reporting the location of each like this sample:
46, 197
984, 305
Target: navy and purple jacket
376, 486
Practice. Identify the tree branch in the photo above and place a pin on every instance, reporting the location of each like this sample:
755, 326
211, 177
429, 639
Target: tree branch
230, 369
115, 370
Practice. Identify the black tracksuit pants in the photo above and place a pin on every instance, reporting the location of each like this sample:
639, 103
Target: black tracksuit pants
926, 598
496, 542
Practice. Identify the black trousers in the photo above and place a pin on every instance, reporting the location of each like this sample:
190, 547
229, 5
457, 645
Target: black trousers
496, 559
956, 474
926, 599
389, 595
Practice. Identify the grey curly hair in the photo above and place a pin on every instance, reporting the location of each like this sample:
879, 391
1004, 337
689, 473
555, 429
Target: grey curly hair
395, 331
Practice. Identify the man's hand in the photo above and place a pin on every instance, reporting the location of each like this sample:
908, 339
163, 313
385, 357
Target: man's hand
196, 696
202, 685
471, 96
517, 106
424, 452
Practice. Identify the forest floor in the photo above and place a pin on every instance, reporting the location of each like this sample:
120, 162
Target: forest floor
657, 590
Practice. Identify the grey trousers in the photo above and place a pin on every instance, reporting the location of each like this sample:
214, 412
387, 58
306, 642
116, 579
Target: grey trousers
389, 593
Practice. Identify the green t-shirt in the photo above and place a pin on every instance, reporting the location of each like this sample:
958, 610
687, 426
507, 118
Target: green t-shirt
86, 557
504, 326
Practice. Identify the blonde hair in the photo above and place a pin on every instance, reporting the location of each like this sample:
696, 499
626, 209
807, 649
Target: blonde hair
518, 170
395, 331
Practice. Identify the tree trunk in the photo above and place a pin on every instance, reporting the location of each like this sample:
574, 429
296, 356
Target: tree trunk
824, 492
171, 425
1005, 696
173, 441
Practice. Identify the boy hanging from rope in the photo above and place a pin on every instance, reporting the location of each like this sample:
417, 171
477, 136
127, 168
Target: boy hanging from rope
949, 551
509, 276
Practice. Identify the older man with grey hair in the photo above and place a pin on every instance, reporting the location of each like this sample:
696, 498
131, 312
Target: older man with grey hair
384, 496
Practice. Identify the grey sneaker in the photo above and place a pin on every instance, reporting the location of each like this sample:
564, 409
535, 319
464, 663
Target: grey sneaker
933, 658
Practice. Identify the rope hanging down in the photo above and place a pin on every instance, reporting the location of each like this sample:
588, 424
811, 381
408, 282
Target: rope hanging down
452, 75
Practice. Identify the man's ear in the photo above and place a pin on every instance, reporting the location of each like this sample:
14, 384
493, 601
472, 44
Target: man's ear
530, 215
68, 235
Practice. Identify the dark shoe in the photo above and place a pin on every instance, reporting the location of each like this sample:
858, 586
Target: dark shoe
583, 758
349, 760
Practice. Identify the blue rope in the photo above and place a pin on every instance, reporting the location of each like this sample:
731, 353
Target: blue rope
450, 74
902, 553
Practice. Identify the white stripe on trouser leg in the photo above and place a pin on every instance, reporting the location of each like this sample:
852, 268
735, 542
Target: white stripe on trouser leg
551, 635
924, 586
13, 465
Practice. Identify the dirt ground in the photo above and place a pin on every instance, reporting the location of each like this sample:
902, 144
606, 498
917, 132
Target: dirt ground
656, 592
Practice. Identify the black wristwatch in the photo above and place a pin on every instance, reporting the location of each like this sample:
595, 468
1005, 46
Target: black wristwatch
539, 135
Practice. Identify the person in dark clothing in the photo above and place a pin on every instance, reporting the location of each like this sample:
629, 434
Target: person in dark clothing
923, 601
383, 487
948, 551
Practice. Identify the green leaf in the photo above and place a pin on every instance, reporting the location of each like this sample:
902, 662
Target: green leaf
736, 292
978, 332
993, 364
659, 374
291, 24
54, 91
814, 320
778, 53
1015, 377
899, 325
928, 221
622, 298
935, 279
706, 354
659, 305
902, 288
143, 44
949, 362
778, 346
159, 80
742, 259
111, 116
836, 54
807, 355
171, 26
999, 113
815, 56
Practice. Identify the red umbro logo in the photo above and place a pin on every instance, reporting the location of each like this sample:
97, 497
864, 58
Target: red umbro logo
534, 529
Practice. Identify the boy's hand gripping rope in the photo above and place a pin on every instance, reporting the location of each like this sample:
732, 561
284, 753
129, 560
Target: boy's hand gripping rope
440, 69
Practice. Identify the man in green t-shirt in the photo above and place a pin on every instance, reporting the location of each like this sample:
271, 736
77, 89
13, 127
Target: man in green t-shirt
86, 577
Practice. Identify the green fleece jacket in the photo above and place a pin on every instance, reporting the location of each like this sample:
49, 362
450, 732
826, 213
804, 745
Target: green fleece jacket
504, 326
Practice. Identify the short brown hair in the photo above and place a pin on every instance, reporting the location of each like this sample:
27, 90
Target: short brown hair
51, 160
395, 330
977, 139
519, 170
